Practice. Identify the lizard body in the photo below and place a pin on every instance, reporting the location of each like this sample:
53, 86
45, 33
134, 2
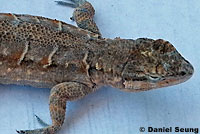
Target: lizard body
75, 61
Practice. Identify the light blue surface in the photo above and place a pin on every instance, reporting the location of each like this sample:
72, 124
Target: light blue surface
109, 111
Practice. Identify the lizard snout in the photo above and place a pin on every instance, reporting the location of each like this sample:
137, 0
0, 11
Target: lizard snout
186, 69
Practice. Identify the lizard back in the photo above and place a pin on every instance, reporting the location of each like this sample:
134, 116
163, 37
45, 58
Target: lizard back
42, 52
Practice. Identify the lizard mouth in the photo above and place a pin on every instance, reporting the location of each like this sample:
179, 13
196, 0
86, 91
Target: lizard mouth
137, 86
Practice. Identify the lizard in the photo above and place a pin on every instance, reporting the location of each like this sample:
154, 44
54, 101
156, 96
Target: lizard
75, 61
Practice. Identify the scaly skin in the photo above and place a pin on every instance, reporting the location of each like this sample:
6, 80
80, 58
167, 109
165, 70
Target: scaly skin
76, 61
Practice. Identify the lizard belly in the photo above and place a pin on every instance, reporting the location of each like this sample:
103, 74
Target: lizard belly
46, 78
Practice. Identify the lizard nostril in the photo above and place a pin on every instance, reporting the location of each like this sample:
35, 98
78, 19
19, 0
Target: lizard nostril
183, 73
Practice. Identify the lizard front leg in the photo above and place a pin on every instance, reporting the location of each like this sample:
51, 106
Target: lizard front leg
59, 95
83, 14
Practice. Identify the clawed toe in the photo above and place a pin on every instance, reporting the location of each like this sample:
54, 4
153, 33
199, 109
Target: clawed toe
44, 124
72, 3
36, 131
62, 3
20, 132
25, 132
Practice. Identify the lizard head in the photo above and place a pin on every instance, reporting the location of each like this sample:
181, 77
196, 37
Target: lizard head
154, 64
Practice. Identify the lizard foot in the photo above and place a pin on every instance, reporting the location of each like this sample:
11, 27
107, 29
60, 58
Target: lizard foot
72, 3
47, 130
30, 132
83, 14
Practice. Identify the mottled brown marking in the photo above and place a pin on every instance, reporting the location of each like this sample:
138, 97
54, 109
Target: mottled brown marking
28, 18
57, 24
8, 16
16, 56
44, 60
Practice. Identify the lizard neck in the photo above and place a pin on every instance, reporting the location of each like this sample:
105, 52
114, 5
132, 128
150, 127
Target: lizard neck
107, 60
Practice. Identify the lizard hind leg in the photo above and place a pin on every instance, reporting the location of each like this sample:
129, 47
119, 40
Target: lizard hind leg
83, 15
59, 95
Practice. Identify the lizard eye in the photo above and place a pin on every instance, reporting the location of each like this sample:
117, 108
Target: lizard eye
154, 78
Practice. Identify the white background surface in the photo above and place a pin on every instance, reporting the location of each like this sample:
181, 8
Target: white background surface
109, 111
